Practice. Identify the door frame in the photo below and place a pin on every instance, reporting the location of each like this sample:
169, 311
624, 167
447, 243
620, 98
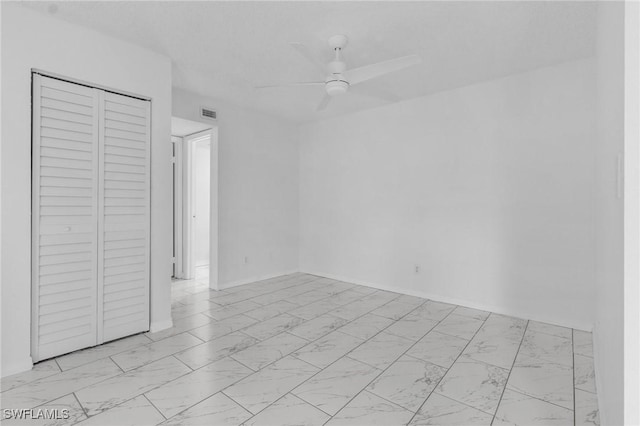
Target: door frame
187, 229
189, 204
178, 189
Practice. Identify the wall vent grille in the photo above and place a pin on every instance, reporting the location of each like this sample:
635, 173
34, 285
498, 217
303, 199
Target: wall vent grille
208, 113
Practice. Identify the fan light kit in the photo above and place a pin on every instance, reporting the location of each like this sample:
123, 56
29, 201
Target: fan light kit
336, 83
340, 79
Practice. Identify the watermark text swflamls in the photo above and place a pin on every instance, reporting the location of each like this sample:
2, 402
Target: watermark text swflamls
35, 413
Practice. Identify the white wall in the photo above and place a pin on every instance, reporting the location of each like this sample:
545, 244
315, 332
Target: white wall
632, 213
609, 326
257, 190
31, 40
488, 188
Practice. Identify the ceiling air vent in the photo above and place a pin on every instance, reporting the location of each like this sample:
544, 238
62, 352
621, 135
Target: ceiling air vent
208, 113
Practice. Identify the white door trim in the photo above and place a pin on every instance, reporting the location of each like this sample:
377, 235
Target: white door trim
213, 213
187, 231
178, 186
190, 143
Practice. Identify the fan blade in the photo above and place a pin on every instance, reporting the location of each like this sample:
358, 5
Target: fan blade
304, 51
358, 75
371, 91
324, 102
304, 83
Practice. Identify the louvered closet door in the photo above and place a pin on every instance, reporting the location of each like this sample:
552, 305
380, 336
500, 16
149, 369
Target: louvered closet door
65, 217
123, 279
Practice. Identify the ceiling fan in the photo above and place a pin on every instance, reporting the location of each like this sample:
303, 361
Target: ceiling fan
340, 79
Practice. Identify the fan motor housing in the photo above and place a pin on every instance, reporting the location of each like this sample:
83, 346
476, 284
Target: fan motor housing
336, 86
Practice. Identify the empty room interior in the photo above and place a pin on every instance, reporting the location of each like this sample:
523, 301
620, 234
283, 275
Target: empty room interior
320, 213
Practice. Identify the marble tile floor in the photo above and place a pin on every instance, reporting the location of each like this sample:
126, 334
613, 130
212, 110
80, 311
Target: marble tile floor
305, 350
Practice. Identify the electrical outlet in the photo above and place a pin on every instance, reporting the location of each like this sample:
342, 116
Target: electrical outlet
246, 259
417, 269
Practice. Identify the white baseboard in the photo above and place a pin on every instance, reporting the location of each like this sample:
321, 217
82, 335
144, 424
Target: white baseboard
503, 310
160, 325
17, 367
255, 278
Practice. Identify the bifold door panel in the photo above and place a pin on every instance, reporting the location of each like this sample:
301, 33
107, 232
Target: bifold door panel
65, 215
90, 214
124, 204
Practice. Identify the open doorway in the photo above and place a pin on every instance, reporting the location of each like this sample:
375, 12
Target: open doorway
198, 206
194, 194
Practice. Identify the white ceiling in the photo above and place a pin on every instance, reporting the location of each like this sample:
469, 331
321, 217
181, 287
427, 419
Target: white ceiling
224, 49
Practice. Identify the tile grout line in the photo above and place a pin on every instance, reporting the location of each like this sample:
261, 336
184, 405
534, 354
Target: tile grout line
89, 416
153, 405
76, 390
287, 312
58, 365
307, 402
539, 399
308, 343
373, 309
274, 280
29, 381
173, 354
320, 369
208, 396
211, 320
382, 397
386, 368
204, 342
350, 321
126, 350
326, 313
81, 406
229, 356
430, 362
139, 394
506, 383
215, 321
462, 403
119, 367
63, 396
192, 315
320, 337
355, 347
338, 329
276, 401
451, 366
241, 363
183, 363
212, 300
334, 309
236, 402
573, 370
264, 294
98, 346
240, 330
272, 362
148, 390
394, 321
